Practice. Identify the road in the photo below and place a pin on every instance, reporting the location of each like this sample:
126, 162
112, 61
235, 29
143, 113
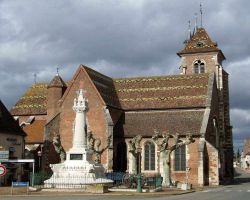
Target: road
240, 190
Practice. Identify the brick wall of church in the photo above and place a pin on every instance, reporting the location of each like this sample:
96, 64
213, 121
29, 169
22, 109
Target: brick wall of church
54, 95
95, 114
192, 162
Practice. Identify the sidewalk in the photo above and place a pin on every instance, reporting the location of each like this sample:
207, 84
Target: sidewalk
6, 191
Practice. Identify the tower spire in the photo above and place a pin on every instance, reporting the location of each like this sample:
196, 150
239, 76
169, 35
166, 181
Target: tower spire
201, 12
189, 29
189, 35
35, 77
57, 71
196, 24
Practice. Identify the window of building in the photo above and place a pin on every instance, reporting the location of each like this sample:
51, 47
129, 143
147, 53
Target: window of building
180, 158
149, 156
199, 67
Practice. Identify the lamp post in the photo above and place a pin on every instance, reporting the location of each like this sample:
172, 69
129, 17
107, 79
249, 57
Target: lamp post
39, 153
139, 178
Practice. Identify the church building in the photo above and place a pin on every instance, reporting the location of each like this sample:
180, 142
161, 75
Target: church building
194, 103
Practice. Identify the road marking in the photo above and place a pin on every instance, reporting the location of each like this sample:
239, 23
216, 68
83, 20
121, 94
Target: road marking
239, 190
248, 190
206, 191
228, 190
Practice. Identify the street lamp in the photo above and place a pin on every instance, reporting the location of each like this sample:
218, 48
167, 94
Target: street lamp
39, 153
139, 178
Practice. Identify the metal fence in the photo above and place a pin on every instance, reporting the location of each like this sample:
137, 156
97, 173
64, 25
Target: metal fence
120, 179
130, 180
117, 177
40, 177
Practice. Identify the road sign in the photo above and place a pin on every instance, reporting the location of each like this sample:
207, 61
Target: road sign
20, 184
3, 170
4, 155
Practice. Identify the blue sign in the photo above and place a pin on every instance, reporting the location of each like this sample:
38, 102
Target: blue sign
20, 184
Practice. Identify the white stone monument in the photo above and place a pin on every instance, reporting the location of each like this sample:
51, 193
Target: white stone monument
78, 170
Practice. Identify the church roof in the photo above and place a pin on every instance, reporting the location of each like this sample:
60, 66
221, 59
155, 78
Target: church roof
173, 121
7, 123
33, 102
35, 131
162, 92
200, 42
156, 92
57, 82
105, 86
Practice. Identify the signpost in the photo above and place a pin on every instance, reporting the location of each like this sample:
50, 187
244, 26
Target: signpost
19, 184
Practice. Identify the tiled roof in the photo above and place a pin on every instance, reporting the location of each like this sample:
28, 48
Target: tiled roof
7, 122
161, 92
172, 121
33, 102
57, 82
199, 42
35, 131
105, 87
177, 91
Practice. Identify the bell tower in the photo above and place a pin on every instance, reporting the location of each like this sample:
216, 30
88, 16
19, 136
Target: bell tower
202, 55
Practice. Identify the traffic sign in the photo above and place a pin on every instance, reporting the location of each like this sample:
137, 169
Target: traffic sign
3, 170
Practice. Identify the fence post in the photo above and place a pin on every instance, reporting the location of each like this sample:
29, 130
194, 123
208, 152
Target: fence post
158, 180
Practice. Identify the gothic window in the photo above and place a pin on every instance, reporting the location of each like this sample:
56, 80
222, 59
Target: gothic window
149, 156
199, 67
180, 159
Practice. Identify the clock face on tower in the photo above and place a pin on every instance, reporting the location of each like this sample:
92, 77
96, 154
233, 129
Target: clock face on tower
200, 43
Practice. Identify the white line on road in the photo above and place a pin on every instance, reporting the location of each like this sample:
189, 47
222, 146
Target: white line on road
206, 191
228, 190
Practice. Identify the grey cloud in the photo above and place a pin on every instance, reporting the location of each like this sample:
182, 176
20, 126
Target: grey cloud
118, 38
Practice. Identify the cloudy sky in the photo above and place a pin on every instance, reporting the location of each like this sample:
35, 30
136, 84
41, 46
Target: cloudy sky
119, 38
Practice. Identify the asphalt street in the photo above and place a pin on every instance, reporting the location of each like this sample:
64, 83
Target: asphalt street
240, 190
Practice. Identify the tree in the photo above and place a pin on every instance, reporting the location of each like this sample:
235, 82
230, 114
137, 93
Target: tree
94, 145
134, 150
165, 149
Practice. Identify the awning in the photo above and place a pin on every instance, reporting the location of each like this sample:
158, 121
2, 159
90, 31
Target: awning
31, 147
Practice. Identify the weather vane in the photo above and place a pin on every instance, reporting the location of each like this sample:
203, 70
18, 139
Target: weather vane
57, 71
35, 77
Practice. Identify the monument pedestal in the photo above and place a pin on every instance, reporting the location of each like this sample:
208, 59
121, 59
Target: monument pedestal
78, 170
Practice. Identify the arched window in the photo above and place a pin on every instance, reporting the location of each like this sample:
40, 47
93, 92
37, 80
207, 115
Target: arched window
149, 156
180, 158
199, 67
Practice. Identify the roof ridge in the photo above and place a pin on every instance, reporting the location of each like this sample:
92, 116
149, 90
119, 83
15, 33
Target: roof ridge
166, 76
96, 72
